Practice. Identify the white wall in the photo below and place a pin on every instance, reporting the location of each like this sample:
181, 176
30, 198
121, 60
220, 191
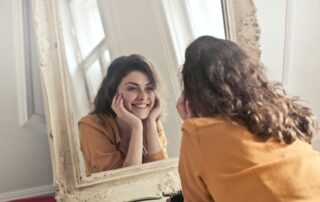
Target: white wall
271, 18
304, 71
290, 46
25, 165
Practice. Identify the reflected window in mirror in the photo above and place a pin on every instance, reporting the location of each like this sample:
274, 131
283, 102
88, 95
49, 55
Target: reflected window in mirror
94, 77
90, 42
87, 55
190, 19
88, 25
206, 18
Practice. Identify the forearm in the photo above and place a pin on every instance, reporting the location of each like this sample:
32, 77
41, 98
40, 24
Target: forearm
151, 137
134, 154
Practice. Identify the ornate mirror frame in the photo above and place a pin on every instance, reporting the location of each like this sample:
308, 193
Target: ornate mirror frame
125, 184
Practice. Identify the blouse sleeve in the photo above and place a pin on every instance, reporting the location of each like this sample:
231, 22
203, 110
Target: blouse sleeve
193, 186
98, 150
162, 154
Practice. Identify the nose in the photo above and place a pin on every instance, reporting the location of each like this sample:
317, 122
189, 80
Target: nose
142, 95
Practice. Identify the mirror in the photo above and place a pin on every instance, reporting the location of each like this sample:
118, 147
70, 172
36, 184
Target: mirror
95, 32
68, 89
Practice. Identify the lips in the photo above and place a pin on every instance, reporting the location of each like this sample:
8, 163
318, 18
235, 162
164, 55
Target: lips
140, 106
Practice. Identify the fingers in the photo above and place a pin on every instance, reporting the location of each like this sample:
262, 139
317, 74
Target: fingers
156, 109
122, 113
117, 104
181, 102
184, 108
114, 103
157, 102
178, 102
189, 111
181, 108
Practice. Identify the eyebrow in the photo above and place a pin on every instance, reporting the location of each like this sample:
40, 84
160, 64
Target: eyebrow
135, 84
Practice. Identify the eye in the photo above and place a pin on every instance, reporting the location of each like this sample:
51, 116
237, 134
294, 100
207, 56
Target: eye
132, 88
149, 88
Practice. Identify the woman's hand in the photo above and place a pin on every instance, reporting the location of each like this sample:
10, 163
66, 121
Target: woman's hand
150, 132
123, 114
183, 108
156, 110
134, 151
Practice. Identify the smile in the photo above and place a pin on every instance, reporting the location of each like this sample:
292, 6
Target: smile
140, 106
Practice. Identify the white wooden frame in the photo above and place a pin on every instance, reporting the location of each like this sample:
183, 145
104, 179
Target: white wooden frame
124, 184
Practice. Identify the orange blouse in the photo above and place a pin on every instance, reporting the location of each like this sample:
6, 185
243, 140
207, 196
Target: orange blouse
222, 161
100, 144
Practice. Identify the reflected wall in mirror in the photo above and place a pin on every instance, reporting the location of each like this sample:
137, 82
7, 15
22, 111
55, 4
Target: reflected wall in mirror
74, 54
95, 33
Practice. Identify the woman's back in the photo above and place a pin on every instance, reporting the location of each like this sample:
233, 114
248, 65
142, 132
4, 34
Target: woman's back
223, 161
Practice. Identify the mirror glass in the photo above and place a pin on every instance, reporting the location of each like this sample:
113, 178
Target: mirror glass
95, 32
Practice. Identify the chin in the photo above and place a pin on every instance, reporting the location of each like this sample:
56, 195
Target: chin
142, 116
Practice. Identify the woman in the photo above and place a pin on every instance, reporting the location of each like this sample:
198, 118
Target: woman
243, 138
124, 127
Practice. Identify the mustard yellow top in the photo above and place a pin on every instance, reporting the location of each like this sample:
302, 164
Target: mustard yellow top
221, 161
100, 144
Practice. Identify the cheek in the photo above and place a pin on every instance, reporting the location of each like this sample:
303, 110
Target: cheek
127, 99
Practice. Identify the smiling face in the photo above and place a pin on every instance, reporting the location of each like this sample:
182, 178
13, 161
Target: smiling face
138, 94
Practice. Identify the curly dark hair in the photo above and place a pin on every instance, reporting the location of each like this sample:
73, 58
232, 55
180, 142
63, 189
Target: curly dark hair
117, 70
220, 80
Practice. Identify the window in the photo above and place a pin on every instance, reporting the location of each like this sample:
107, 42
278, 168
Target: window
189, 19
93, 53
87, 24
206, 18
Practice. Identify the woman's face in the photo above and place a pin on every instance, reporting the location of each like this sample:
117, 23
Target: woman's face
137, 93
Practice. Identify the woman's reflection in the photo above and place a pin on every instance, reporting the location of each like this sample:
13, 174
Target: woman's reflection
124, 128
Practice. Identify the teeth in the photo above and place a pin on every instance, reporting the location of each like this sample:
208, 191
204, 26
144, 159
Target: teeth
140, 105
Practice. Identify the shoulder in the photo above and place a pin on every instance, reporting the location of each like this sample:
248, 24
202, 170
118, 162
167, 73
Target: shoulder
197, 130
89, 119
102, 123
196, 124
215, 129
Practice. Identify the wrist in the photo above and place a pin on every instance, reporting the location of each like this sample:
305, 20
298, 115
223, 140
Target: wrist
137, 127
149, 121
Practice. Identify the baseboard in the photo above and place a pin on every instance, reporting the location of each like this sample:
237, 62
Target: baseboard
27, 193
